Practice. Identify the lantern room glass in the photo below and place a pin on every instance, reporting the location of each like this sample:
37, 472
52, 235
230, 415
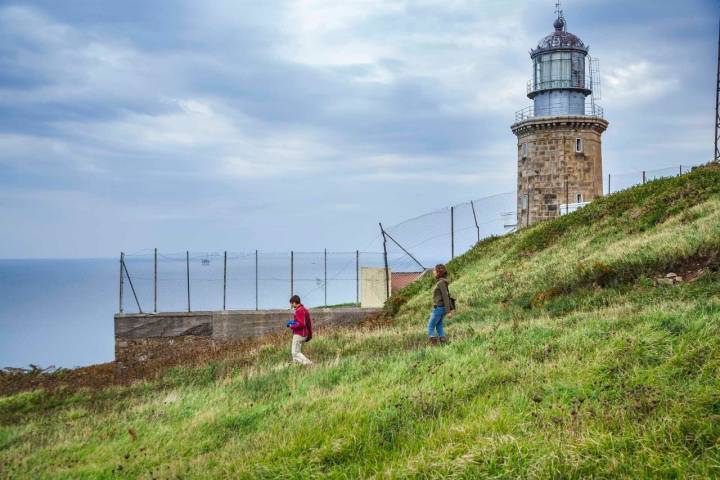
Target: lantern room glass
559, 70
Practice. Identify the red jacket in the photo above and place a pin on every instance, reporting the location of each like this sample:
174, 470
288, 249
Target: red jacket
303, 327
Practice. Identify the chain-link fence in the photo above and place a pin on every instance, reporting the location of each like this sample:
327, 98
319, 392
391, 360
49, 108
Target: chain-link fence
152, 281
616, 182
419, 243
435, 237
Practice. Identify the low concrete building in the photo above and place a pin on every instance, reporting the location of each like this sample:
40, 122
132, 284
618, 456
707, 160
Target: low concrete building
374, 289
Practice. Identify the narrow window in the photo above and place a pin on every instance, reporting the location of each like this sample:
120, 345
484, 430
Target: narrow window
579, 198
578, 145
525, 201
524, 150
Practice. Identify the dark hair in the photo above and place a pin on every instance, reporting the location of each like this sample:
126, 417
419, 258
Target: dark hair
440, 271
295, 299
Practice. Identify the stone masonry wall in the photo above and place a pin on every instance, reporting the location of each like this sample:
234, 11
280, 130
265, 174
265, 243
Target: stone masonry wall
144, 336
551, 161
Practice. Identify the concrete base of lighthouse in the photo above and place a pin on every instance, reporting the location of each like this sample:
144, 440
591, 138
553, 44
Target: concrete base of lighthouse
559, 162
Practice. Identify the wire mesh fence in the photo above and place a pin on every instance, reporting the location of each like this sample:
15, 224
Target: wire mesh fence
616, 182
435, 237
152, 281
419, 243
194, 281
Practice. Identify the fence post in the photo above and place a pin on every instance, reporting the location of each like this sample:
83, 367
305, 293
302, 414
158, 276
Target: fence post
122, 280
155, 283
567, 197
680, 169
325, 267
256, 281
643, 177
187, 270
609, 189
224, 279
387, 272
357, 277
452, 232
131, 286
477, 227
292, 273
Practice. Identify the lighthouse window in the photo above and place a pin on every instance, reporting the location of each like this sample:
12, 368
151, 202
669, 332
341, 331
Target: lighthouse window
525, 201
579, 198
553, 70
524, 150
578, 145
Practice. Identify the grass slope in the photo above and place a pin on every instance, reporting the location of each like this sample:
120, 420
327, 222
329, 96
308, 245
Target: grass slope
566, 361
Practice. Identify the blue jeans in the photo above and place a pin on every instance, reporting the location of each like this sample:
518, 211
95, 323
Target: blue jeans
436, 322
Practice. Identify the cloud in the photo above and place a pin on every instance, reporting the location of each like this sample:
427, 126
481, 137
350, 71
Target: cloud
639, 82
137, 115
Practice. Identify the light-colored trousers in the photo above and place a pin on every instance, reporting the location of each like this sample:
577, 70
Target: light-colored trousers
297, 355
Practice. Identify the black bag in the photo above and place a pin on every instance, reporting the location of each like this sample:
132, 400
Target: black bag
452, 304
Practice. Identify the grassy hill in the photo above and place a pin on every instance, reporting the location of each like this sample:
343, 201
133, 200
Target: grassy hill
567, 360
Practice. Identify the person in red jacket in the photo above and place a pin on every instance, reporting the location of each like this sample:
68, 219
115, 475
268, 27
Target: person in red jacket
301, 326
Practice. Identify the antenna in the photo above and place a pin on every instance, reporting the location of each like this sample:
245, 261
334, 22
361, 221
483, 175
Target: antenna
558, 9
717, 107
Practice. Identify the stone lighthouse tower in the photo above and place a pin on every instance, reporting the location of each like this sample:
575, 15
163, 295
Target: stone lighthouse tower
559, 136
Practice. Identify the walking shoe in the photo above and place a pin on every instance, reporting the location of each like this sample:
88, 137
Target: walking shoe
443, 340
433, 340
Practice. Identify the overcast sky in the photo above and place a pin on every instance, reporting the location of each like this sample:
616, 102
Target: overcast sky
300, 124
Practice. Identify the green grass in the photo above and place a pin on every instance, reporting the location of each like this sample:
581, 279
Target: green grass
566, 361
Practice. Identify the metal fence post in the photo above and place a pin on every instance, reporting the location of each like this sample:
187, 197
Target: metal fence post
292, 273
256, 281
155, 283
567, 197
357, 277
387, 271
609, 189
325, 267
477, 226
187, 269
122, 280
452, 232
680, 169
224, 280
643, 177
131, 286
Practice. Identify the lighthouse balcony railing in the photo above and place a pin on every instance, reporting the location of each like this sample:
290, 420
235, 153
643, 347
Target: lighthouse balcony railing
577, 83
590, 109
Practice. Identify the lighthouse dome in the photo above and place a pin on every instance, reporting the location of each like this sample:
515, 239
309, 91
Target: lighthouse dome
560, 39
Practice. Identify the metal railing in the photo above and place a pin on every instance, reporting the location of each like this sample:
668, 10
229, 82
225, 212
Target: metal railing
580, 84
590, 109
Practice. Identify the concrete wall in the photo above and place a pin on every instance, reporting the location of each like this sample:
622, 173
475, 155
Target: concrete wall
133, 329
373, 287
246, 324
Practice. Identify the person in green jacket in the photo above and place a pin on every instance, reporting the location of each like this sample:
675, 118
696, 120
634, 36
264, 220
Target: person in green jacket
442, 306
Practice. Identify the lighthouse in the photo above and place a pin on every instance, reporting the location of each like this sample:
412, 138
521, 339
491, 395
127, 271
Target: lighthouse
559, 137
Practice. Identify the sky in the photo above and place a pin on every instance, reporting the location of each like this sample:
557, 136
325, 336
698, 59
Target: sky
300, 124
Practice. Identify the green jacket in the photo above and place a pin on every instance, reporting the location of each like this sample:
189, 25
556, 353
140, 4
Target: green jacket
441, 294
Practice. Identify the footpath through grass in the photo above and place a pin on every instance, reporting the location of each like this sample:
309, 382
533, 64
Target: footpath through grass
567, 360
